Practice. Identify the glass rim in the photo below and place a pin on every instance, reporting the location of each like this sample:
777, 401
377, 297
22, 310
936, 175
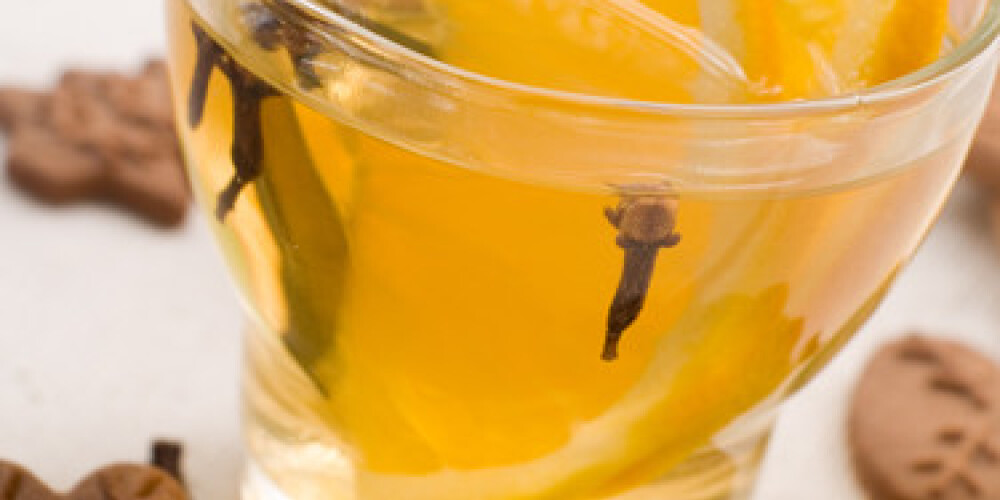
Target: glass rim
979, 41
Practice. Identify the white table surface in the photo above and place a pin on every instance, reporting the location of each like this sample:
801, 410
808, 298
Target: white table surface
112, 332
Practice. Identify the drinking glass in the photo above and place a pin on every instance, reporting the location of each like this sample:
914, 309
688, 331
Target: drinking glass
461, 287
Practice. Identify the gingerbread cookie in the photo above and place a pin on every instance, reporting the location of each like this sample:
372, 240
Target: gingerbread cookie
98, 136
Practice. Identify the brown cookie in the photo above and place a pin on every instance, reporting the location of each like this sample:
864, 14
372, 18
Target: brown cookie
118, 482
20, 106
154, 188
142, 98
983, 162
99, 135
127, 482
993, 217
77, 113
161, 480
925, 423
63, 174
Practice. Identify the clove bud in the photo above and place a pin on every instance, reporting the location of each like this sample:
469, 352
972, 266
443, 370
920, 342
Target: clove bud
645, 224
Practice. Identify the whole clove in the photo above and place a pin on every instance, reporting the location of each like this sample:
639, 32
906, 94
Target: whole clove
646, 224
270, 32
247, 151
248, 91
166, 455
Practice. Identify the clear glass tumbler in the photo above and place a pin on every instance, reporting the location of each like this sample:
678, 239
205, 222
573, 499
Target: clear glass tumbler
465, 288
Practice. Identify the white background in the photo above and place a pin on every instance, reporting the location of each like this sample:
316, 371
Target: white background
112, 332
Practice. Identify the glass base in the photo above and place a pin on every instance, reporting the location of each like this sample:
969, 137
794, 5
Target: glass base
291, 457
257, 486
710, 474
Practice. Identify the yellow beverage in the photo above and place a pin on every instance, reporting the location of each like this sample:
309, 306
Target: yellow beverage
429, 321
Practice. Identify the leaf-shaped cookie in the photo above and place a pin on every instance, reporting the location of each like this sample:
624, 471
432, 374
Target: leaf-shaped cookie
925, 423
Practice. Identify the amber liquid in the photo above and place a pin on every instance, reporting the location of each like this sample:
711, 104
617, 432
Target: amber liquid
424, 330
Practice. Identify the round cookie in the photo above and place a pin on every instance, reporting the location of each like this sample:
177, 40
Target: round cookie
924, 423
983, 162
